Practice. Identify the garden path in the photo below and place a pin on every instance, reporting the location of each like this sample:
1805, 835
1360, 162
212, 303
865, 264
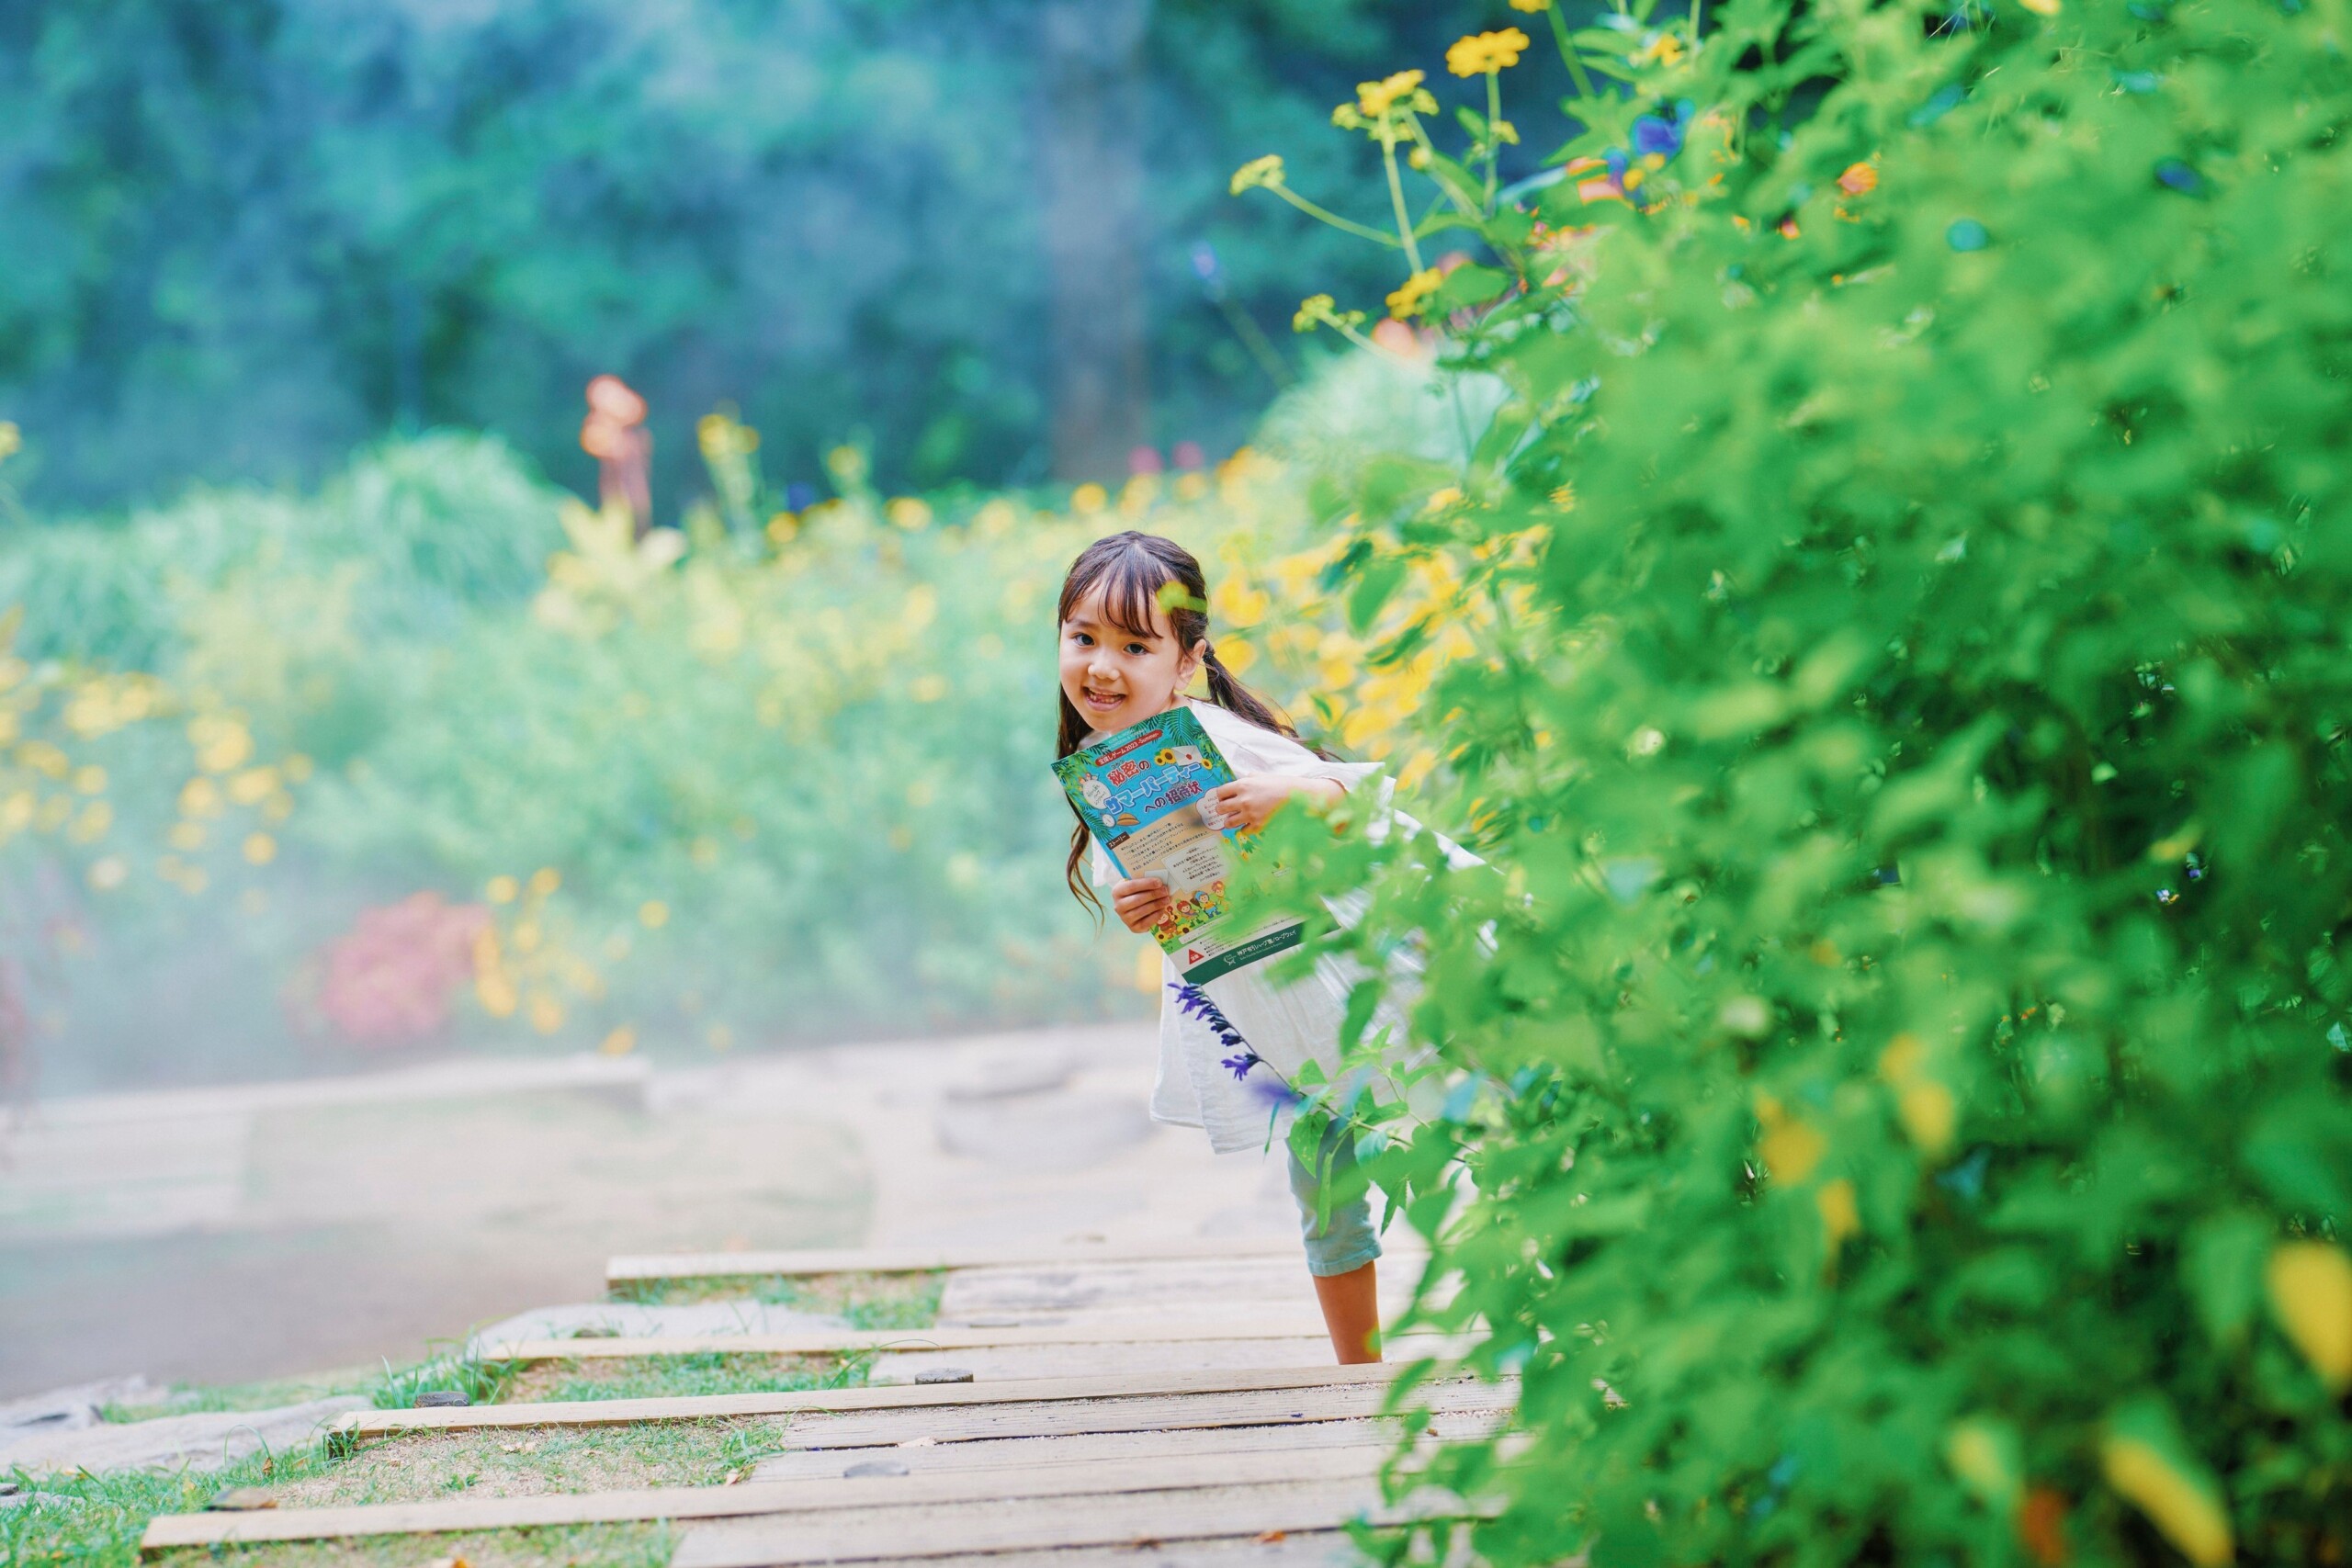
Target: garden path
1154, 1462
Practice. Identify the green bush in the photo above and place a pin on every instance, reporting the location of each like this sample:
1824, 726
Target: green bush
434, 757
1905, 1055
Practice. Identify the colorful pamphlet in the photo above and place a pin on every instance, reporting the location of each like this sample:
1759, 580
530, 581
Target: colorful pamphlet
1140, 793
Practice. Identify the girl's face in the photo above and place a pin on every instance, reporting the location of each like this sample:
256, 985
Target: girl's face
1117, 675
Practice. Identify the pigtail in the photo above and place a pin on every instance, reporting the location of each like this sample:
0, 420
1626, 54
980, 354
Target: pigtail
1235, 698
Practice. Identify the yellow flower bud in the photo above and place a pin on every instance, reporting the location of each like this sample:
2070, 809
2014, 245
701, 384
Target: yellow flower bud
2310, 1284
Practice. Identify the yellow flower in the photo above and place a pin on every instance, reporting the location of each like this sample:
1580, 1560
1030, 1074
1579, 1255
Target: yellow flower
1928, 1111
200, 797
2041, 7
909, 512
1663, 49
1789, 1148
1860, 179
2311, 1295
11, 438
260, 848
653, 914
1984, 1454
1531, 6
1266, 172
2182, 1505
1476, 54
619, 1042
1089, 499
1405, 302
502, 889
1378, 99
1840, 1216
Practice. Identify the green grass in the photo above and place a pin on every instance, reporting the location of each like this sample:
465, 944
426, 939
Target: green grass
862, 1301
554, 1545
663, 1377
96, 1519
460, 1369
523, 1463
187, 1398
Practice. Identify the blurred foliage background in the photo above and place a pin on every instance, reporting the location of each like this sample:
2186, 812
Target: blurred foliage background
994, 234
340, 729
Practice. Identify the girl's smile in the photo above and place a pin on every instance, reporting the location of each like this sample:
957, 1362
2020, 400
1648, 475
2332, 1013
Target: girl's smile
1117, 676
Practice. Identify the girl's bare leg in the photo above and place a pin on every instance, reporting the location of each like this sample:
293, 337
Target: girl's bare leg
1350, 1303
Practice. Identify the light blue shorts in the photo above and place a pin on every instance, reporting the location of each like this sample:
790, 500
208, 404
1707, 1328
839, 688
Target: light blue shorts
1344, 1241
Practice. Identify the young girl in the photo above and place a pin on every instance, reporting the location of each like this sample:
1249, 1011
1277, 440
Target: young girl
1125, 658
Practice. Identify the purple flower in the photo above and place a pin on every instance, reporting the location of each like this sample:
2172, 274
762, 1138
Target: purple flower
1269, 1084
1270, 1087
1657, 136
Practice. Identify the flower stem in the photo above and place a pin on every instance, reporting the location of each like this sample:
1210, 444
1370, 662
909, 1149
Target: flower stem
1345, 225
1447, 190
1568, 49
1396, 195
1494, 143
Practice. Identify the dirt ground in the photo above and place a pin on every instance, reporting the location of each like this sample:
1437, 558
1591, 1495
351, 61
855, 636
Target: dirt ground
225, 1235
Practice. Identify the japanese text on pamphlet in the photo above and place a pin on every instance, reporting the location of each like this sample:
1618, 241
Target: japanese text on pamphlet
1140, 793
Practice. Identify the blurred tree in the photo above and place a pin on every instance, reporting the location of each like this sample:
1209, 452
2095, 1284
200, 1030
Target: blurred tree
244, 235
1090, 153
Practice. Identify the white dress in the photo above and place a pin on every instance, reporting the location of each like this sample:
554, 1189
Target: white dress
1288, 1025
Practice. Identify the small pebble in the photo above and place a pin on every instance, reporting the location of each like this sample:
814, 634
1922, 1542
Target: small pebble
440, 1399
877, 1467
943, 1374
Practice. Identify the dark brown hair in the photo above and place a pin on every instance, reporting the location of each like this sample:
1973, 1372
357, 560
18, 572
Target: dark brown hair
1133, 571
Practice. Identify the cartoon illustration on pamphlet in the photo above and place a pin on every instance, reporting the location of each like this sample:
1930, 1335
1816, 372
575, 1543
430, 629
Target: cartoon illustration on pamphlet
1140, 793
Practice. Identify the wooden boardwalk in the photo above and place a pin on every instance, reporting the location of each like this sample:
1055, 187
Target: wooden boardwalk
1123, 1405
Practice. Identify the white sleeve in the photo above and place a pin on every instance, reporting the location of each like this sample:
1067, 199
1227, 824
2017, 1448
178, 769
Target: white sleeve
1251, 749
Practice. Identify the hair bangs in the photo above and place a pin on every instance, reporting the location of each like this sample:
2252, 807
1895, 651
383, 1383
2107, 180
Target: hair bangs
1129, 583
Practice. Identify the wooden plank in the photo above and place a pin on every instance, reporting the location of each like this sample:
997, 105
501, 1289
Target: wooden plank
1078, 1448
703, 1407
794, 1497
1291, 1549
1139, 1356
1137, 1294
1253, 1407
847, 1341
929, 1260
1030, 1524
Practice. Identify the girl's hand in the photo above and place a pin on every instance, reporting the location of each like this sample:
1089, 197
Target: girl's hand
1141, 903
1246, 804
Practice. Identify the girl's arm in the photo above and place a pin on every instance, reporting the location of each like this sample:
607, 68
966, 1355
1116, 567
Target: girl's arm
1248, 801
